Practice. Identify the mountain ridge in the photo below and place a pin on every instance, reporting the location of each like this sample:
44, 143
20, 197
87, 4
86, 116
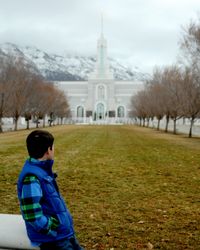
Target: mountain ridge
54, 67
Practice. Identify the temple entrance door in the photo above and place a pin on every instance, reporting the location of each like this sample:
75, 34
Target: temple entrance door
100, 111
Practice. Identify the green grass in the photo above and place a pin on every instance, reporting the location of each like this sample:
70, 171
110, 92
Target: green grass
126, 187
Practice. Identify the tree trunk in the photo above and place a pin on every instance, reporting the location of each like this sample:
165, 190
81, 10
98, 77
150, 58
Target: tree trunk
158, 125
16, 122
50, 122
152, 122
167, 123
1, 112
37, 123
1, 129
27, 124
191, 125
148, 122
44, 122
174, 126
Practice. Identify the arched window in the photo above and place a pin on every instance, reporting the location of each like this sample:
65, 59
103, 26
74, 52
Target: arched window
101, 92
80, 111
120, 112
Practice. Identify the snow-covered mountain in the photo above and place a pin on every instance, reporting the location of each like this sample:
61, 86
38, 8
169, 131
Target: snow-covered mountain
66, 67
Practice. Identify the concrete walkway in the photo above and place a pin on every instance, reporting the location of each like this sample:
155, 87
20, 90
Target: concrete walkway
180, 127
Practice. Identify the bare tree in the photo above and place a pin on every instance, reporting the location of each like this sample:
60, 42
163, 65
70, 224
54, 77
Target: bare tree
31, 105
190, 44
23, 93
60, 105
41, 100
157, 102
161, 96
157, 95
18, 82
190, 58
4, 90
190, 97
172, 81
138, 107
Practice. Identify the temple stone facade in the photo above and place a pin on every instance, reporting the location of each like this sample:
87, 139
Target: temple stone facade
101, 99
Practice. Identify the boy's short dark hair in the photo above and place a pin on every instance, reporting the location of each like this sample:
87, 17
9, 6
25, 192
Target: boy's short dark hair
38, 142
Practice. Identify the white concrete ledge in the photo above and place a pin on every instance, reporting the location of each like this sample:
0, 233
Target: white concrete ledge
13, 233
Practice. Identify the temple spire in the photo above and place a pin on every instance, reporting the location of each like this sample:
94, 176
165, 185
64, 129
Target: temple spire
102, 24
102, 69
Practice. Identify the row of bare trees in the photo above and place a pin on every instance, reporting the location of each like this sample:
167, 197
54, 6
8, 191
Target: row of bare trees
173, 91
24, 94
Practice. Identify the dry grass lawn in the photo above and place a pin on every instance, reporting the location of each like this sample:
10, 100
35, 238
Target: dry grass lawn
127, 187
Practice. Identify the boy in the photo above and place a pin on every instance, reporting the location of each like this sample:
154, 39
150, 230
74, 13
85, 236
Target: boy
48, 222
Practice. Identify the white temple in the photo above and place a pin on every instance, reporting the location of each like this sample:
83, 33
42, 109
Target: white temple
101, 99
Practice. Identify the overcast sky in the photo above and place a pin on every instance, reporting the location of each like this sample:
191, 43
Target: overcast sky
141, 32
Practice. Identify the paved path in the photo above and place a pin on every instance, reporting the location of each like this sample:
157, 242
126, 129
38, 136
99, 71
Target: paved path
181, 128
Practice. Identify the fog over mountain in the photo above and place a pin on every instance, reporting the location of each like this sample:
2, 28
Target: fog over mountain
67, 67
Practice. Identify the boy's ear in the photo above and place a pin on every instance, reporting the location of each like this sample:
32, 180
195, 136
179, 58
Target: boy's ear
49, 149
47, 152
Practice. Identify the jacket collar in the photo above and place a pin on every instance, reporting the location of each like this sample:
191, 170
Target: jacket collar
46, 165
